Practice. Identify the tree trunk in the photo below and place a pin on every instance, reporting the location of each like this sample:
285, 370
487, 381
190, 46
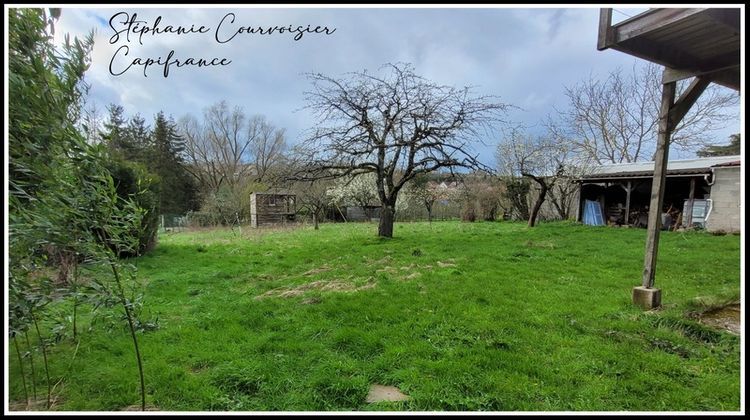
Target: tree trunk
428, 205
20, 366
538, 204
315, 220
385, 227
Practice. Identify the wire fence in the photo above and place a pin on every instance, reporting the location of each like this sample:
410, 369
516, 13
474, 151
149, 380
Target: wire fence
173, 222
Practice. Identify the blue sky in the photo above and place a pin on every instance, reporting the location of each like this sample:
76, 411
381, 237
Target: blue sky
523, 55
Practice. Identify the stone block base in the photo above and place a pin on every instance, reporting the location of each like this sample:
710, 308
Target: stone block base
647, 298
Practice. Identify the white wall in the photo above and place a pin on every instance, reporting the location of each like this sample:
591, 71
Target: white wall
725, 194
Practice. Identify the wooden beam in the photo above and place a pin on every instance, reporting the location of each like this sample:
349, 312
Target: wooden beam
691, 199
628, 190
657, 186
659, 53
675, 75
605, 29
728, 78
686, 101
651, 21
579, 218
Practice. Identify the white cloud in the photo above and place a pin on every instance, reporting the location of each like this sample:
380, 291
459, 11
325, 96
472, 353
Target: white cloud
525, 56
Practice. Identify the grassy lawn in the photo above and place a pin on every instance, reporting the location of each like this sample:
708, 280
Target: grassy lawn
459, 316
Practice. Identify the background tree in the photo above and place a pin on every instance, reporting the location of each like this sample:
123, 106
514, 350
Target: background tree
313, 198
115, 133
91, 124
480, 196
229, 156
540, 159
615, 120
397, 126
267, 147
138, 138
516, 197
358, 190
426, 192
733, 148
218, 148
177, 188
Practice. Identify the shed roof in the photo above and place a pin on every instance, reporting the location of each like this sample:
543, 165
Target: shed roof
696, 166
691, 41
277, 193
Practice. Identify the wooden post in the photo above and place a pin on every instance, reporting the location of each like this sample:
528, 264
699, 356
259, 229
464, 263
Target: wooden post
691, 198
657, 187
605, 29
628, 189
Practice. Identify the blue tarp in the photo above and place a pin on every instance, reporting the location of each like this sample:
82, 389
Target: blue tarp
592, 213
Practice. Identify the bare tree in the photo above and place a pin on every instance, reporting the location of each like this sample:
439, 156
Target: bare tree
313, 197
267, 146
92, 123
227, 149
540, 159
217, 150
396, 126
562, 195
480, 195
615, 120
426, 192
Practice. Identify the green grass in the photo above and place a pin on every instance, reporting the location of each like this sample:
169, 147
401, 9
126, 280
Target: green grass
459, 316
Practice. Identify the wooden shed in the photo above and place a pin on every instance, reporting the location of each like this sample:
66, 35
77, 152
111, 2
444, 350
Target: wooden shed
623, 192
272, 208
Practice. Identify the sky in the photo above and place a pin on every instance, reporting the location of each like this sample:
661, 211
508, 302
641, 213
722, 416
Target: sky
523, 55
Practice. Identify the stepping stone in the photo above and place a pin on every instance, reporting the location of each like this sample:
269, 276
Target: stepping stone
380, 393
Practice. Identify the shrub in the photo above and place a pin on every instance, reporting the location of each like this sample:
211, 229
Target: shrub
132, 180
468, 213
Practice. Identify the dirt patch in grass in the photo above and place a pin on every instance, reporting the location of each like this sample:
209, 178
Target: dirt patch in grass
411, 276
39, 404
382, 261
726, 318
321, 269
447, 263
341, 286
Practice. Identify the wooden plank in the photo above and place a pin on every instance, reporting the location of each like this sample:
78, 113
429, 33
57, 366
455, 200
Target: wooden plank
674, 75
667, 55
651, 21
657, 187
686, 101
728, 78
605, 29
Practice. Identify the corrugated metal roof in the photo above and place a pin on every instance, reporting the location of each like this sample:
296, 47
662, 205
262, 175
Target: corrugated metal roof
674, 167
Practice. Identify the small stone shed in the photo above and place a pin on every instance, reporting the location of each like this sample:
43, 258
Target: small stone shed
272, 208
624, 192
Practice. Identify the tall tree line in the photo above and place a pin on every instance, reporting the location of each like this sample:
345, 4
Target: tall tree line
158, 149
